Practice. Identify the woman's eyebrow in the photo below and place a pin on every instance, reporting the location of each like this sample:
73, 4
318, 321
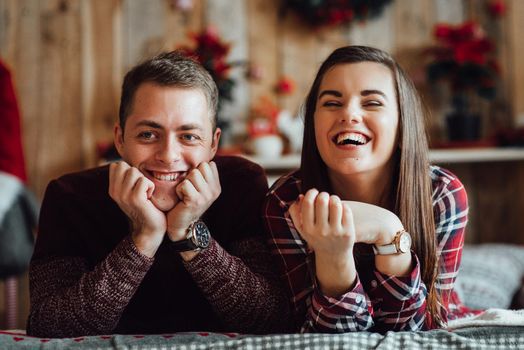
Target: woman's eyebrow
373, 92
330, 92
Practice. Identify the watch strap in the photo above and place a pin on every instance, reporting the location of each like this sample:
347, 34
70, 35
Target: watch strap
184, 245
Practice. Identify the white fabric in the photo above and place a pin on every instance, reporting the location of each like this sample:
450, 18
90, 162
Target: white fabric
490, 317
10, 188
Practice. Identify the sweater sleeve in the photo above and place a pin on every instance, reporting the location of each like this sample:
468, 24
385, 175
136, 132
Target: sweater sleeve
70, 293
68, 300
242, 287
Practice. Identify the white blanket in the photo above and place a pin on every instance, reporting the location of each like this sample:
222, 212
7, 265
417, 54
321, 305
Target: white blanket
490, 317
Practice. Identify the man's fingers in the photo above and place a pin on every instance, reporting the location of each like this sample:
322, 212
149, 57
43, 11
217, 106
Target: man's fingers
117, 172
197, 179
186, 191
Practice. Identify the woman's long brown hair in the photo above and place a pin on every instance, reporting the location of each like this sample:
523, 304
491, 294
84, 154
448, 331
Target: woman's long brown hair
413, 203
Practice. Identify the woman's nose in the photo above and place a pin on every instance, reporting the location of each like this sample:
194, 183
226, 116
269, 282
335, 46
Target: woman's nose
352, 115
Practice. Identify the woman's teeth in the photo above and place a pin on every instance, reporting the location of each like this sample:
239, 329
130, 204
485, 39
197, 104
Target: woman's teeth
351, 138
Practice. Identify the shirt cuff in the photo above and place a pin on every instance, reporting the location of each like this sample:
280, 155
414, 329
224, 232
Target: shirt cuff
354, 301
399, 287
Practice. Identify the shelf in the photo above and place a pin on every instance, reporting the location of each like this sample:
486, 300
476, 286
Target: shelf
438, 156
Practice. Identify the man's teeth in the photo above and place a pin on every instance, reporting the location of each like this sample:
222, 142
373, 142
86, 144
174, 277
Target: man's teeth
166, 177
351, 138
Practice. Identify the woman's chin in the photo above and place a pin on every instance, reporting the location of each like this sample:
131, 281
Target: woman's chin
164, 203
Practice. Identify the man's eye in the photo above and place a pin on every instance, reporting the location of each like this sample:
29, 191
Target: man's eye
146, 135
190, 137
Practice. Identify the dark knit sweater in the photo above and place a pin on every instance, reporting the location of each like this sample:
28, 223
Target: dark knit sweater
87, 277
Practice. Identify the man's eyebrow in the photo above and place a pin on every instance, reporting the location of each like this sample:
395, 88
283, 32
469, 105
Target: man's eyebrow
155, 125
186, 127
373, 92
330, 92
149, 123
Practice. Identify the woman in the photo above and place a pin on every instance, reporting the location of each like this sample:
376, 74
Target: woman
368, 235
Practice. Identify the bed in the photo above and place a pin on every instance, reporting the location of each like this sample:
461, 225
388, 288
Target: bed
490, 278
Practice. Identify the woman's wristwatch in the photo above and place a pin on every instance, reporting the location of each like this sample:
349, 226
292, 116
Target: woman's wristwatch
401, 244
198, 238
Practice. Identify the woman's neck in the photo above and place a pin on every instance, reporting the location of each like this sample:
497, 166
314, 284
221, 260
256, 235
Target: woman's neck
370, 187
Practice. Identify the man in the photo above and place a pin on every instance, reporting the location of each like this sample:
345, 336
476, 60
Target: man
166, 240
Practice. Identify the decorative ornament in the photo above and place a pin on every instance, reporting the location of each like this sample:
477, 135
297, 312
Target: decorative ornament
285, 86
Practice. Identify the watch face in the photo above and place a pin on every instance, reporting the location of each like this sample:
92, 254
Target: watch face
405, 242
201, 235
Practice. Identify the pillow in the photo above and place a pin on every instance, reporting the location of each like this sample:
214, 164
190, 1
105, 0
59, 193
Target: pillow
490, 275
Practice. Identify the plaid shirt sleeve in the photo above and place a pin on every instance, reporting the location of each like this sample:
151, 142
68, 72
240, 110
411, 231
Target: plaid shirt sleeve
450, 206
313, 311
399, 301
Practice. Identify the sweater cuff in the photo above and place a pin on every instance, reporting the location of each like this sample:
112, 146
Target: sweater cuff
201, 260
134, 259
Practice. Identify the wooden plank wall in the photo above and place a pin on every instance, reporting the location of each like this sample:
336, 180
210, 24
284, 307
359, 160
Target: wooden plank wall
68, 58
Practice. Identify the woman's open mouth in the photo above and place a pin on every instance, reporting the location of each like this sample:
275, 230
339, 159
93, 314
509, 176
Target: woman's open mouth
350, 138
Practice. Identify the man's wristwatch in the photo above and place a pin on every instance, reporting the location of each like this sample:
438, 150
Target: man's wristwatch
401, 244
198, 238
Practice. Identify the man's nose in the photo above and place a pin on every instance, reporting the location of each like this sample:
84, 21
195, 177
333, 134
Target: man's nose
170, 151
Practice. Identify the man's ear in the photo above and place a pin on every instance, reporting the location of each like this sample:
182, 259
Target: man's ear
216, 139
119, 139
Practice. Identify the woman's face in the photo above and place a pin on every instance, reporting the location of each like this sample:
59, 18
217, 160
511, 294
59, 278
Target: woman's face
356, 119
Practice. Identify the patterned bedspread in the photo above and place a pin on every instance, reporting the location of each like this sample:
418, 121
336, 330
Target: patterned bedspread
511, 337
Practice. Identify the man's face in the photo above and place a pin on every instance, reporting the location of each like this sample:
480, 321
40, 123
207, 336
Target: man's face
167, 133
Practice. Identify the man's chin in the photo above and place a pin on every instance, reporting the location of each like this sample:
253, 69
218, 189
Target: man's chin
164, 204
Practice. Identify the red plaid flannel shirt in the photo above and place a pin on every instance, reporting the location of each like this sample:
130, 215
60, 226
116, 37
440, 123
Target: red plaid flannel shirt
377, 302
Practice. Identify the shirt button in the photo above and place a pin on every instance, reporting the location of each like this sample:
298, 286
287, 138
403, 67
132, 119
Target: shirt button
358, 299
373, 283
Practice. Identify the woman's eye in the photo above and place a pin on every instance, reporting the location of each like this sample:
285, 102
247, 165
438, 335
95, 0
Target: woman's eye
373, 103
331, 104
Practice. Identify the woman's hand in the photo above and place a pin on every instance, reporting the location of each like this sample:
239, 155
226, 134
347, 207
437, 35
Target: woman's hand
324, 223
374, 224
327, 226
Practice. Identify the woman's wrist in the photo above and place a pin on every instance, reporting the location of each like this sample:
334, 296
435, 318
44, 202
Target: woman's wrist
336, 275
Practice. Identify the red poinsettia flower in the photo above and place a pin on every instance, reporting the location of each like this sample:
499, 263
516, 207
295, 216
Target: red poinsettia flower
497, 8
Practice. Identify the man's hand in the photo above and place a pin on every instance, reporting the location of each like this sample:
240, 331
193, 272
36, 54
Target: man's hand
196, 192
132, 191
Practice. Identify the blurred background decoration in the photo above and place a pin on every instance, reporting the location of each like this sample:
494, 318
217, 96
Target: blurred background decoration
465, 62
211, 51
332, 13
